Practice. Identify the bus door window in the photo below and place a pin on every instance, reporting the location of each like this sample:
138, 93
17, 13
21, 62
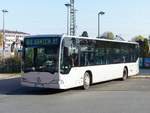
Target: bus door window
100, 53
66, 57
74, 58
133, 53
87, 51
85, 58
69, 55
108, 56
125, 53
100, 56
115, 53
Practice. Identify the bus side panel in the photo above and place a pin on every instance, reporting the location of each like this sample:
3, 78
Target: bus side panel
107, 72
73, 79
133, 68
99, 74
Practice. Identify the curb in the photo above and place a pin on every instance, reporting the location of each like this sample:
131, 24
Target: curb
141, 76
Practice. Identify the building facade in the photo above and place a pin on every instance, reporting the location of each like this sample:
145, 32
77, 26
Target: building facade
11, 41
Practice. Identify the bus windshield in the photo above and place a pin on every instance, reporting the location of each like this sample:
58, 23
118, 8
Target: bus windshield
41, 58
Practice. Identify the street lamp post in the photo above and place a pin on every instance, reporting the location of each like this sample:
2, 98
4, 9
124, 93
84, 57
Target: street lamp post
68, 7
4, 11
75, 12
100, 13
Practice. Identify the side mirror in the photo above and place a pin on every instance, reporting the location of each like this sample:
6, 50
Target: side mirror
22, 43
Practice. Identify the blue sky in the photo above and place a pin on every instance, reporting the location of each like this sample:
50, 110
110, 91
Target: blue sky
127, 18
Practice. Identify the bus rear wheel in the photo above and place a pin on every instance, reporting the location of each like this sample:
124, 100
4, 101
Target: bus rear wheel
125, 74
86, 81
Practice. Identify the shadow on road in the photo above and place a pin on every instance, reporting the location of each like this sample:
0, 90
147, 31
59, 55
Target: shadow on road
35, 91
8, 85
13, 87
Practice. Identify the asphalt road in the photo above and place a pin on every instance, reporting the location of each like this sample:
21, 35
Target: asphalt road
131, 96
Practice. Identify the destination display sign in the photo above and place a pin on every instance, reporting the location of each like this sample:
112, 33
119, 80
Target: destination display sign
42, 41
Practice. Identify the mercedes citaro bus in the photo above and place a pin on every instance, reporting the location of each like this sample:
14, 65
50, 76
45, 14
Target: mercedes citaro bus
63, 62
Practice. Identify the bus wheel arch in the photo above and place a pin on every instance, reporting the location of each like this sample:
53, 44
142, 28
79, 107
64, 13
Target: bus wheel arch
87, 80
125, 73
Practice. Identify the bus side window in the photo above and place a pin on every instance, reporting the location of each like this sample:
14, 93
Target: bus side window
65, 61
100, 56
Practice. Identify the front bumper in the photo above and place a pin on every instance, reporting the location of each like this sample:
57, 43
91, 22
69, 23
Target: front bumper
40, 85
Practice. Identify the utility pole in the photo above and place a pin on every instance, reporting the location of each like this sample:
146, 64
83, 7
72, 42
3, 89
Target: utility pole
75, 11
72, 18
99, 14
68, 7
4, 11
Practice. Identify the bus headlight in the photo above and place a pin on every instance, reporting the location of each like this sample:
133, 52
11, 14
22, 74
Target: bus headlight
57, 82
61, 82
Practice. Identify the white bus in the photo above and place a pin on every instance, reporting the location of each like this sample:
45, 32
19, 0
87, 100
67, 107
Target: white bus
63, 62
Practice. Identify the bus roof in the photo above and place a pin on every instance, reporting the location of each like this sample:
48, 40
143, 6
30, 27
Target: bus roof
102, 39
91, 38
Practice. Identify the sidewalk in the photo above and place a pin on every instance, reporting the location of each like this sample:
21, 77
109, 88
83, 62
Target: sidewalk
9, 76
144, 73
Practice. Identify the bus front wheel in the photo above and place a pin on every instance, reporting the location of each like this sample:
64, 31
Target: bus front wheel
125, 74
86, 81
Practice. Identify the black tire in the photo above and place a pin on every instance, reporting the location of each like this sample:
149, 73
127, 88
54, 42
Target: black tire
125, 74
86, 81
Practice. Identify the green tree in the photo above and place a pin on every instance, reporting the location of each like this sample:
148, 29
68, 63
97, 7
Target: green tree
108, 35
137, 38
144, 46
84, 34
